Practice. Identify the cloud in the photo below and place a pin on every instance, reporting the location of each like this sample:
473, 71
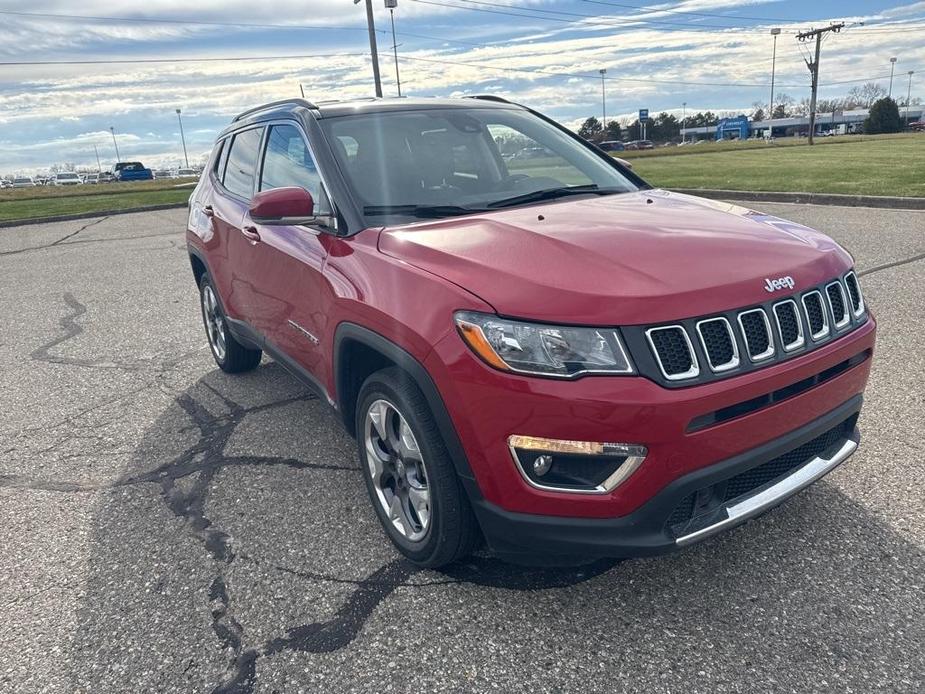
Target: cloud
47, 111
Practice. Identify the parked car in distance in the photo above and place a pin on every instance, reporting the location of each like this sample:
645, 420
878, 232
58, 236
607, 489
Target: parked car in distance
131, 171
66, 178
559, 359
640, 144
6, 183
23, 182
612, 146
162, 174
92, 178
187, 173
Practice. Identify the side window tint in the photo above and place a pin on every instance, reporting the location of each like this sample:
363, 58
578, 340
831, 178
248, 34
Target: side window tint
219, 158
242, 163
288, 162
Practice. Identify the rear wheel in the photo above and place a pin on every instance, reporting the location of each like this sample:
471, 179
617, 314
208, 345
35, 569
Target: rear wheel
409, 475
230, 355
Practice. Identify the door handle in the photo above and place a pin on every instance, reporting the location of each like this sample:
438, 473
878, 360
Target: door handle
208, 211
251, 233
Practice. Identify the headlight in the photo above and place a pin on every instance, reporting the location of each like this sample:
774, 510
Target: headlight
543, 350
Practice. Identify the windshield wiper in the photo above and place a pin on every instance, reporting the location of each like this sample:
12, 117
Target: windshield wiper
552, 194
422, 211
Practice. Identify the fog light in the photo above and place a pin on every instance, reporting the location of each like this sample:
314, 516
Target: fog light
541, 464
586, 467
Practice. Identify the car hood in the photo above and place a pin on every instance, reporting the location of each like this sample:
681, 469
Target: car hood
633, 258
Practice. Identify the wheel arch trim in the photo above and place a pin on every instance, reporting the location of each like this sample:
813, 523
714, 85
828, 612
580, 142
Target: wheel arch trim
351, 332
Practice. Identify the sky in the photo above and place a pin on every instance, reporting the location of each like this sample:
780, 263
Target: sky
129, 66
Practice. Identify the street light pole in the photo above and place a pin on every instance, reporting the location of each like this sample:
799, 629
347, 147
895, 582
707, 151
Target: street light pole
603, 72
391, 5
909, 96
99, 167
114, 143
374, 52
684, 122
774, 32
183, 139
892, 66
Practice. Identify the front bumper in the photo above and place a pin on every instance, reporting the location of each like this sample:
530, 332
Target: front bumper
657, 526
684, 429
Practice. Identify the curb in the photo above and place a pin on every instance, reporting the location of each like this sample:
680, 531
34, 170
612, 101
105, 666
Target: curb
881, 201
88, 215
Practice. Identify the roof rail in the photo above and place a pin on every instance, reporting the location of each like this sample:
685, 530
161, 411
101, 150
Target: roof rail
272, 104
490, 97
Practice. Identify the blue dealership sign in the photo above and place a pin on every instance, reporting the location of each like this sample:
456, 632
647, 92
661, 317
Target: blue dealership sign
643, 114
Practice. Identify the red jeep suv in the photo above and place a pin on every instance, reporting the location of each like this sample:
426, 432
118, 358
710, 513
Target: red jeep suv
541, 351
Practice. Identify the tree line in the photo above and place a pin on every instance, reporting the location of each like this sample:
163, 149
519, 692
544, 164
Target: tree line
666, 127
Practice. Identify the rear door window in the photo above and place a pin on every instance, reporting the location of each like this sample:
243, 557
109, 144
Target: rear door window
242, 163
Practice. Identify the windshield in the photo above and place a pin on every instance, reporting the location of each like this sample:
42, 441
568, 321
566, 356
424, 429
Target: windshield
441, 162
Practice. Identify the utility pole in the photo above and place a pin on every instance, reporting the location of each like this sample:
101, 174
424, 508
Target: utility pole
374, 52
909, 96
114, 143
684, 122
391, 5
603, 72
183, 139
814, 67
99, 167
775, 32
892, 67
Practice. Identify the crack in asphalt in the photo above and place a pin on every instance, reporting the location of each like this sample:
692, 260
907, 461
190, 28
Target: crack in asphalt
56, 242
897, 263
52, 244
203, 460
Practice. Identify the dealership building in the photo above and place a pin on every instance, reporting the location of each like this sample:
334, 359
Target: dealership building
837, 123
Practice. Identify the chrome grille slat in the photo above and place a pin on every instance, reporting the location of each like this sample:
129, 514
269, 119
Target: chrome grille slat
784, 311
667, 352
715, 346
838, 303
814, 309
854, 292
752, 353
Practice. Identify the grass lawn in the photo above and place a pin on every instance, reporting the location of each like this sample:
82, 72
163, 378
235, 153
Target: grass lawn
83, 200
853, 165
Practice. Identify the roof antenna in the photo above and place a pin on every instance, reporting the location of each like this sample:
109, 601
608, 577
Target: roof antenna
302, 89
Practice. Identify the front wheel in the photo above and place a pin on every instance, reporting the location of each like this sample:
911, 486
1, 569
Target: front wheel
409, 475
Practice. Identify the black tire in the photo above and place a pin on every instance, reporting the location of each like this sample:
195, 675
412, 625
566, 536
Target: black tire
230, 355
453, 531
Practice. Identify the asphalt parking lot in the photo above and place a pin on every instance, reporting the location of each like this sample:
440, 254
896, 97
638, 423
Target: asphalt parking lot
167, 528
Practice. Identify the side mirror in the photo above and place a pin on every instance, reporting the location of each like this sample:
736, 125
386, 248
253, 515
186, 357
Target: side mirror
283, 206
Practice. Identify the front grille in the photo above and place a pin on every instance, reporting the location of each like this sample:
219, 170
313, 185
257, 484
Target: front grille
854, 291
709, 499
674, 352
757, 332
816, 316
718, 343
836, 296
789, 327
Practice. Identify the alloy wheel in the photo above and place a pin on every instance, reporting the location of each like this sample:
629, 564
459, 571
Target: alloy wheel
397, 470
215, 323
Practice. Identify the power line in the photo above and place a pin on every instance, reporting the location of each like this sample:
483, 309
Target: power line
650, 8
129, 61
233, 25
584, 19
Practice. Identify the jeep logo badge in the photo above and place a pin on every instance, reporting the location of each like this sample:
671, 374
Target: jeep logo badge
779, 283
